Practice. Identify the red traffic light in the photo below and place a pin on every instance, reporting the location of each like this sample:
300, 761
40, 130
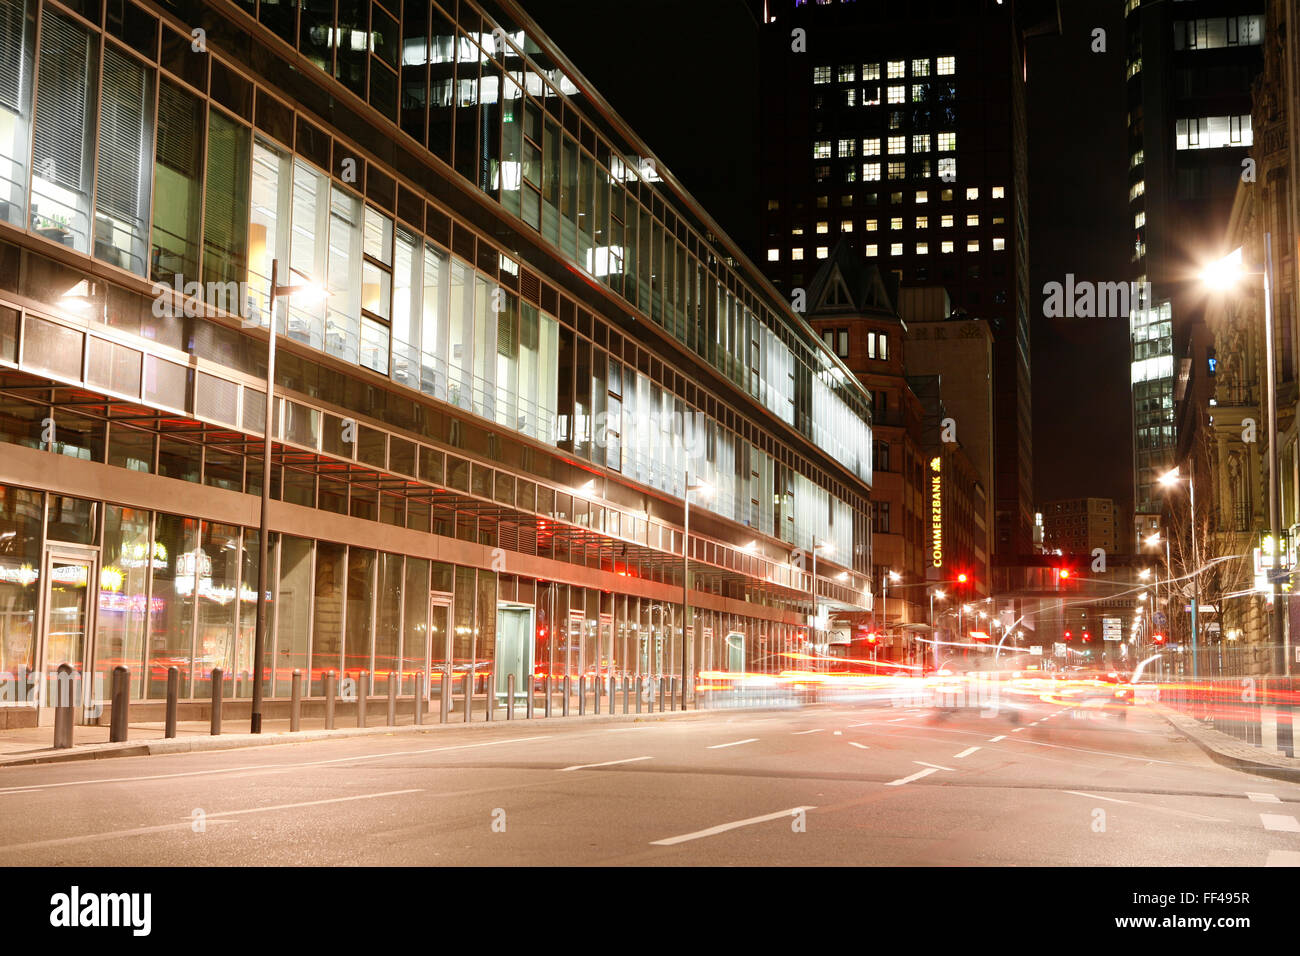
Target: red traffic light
872, 637
1086, 637
1067, 635
962, 578
1159, 638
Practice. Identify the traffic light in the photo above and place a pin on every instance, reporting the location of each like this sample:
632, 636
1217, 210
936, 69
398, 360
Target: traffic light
1068, 635
1158, 638
1086, 637
962, 578
872, 637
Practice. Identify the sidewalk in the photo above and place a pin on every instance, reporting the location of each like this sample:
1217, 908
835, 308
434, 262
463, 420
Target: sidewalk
1230, 751
34, 745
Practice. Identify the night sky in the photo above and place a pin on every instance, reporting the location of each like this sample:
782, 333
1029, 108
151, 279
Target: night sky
683, 73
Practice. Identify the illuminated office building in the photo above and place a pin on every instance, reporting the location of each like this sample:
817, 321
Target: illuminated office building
534, 341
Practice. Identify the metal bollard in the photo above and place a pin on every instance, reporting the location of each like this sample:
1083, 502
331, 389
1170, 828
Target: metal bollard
173, 700
510, 697
392, 699
625, 693
672, 693
567, 687
121, 691
532, 686
218, 682
660, 683
469, 695
363, 691
330, 695
491, 696
295, 702
419, 698
637, 690
63, 704
550, 694
444, 695
582, 695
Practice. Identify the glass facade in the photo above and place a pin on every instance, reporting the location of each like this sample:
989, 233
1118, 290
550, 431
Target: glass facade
547, 389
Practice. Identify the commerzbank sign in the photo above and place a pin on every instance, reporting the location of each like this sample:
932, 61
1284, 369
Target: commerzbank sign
936, 513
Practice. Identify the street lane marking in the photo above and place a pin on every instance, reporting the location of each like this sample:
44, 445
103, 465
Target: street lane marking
838, 733
269, 766
724, 827
854, 743
1263, 797
800, 733
895, 720
908, 779
1148, 806
934, 765
1280, 822
1017, 730
866, 724
1283, 858
994, 740
607, 763
734, 743
188, 824
965, 753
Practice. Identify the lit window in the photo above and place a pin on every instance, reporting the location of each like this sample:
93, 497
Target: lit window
871, 225
972, 245
999, 192
945, 222
922, 169
846, 225
796, 255
999, 220
945, 65
922, 248
850, 174
1137, 189
948, 170
946, 246
823, 202
773, 205
821, 74
1213, 132
870, 172
871, 147
922, 196
822, 228
918, 92
897, 94
999, 245
796, 231
945, 142
897, 170
871, 95
774, 255
921, 143
972, 192
846, 147
822, 252
973, 219
871, 250
851, 96
822, 149
896, 222
921, 67
922, 222
870, 71
895, 248
848, 74
897, 144
897, 69
1140, 220
895, 199
846, 200
946, 195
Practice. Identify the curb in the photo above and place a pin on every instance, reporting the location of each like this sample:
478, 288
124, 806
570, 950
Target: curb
197, 743
1201, 736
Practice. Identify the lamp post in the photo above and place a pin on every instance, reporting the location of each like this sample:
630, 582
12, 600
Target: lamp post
884, 602
1168, 479
934, 635
705, 490
312, 291
1222, 275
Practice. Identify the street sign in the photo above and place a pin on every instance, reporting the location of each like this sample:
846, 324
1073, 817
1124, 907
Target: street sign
1112, 629
1160, 620
1036, 650
1058, 649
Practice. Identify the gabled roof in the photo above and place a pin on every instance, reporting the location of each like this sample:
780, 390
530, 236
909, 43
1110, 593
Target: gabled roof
845, 284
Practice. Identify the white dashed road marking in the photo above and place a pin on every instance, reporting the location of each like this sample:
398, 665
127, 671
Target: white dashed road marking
854, 743
965, 753
908, 779
934, 765
1263, 797
607, 763
724, 827
800, 733
734, 743
1281, 822
1147, 806
994, 740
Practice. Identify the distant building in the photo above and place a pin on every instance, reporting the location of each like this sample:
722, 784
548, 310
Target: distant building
1080, 526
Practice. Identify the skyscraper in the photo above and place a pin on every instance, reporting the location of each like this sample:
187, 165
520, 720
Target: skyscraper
1190, 66
901, 129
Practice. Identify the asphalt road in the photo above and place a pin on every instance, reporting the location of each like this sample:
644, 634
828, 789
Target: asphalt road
832, 784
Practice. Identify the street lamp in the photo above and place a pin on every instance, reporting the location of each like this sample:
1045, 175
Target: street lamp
1223, 275
935, 593
1169, 479
705, 491
884, 600
313, 292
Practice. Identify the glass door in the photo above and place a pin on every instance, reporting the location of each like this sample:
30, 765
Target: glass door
69, 621
514, 649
